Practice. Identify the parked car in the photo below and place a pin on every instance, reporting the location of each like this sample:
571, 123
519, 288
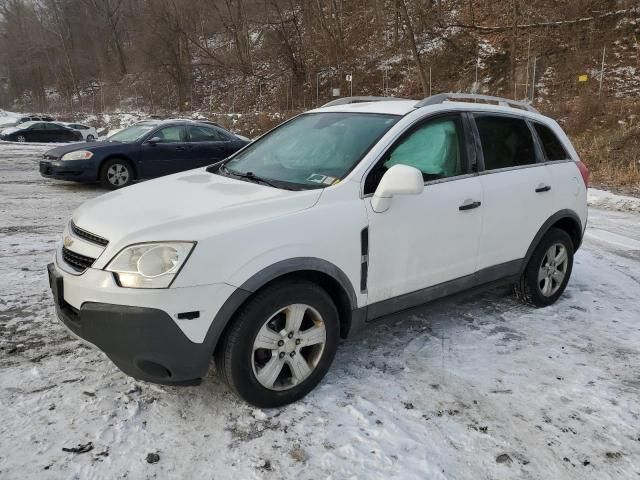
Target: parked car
40, 132
144, 150
35, 118
89, 134
344, 214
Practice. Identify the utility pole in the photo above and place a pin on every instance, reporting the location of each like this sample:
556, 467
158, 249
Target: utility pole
533, 80
604, 49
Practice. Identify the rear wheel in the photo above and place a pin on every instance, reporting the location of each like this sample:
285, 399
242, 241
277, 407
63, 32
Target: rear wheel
90, 138
116, 173
548, 271
280, 345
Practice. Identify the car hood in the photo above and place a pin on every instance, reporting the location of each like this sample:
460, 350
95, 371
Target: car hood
190, 205
10, 130
91, 146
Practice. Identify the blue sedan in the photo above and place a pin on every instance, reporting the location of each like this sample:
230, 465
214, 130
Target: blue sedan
145, 150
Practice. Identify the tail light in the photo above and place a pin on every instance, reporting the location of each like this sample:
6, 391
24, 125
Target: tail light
584, 171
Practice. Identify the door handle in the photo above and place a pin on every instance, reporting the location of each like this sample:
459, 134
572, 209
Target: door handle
543, 188
469, 205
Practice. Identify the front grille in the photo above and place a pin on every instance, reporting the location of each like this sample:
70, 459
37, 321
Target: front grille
78, 262
90, 237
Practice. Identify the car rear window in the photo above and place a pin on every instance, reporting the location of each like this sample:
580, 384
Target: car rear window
553, 149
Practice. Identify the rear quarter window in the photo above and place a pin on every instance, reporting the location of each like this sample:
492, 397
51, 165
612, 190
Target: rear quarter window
551, 144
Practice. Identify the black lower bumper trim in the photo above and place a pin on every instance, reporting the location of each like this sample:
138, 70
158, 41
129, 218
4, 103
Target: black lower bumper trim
144, 343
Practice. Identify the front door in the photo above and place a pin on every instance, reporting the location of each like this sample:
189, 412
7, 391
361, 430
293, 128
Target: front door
431, 238
169, 154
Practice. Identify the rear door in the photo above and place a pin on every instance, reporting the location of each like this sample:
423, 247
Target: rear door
209, 145
169, 155
517, 188
562, 169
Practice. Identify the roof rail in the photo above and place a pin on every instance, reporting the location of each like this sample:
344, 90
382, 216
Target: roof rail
348, 100
445, 97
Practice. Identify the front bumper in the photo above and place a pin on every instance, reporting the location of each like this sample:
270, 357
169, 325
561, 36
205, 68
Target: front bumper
144, 342
76, 173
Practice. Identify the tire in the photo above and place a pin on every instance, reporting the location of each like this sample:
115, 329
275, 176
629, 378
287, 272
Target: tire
547, 274
246, 367
116, 173
21, 138
91, 138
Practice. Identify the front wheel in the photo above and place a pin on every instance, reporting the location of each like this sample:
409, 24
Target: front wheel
548, 271
90, 138
21, 138
280, 345
116, 173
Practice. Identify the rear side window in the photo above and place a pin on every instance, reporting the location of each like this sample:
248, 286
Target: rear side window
204, 134
506, 142
553, 149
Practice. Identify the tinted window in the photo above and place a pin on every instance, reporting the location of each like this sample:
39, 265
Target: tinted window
204, 134
38, 126
552, 147
170, 134
506, 142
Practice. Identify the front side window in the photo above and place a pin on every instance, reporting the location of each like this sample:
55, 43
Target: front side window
436, 148
170, 134
204, 134
313, 150
506, 141
552, 147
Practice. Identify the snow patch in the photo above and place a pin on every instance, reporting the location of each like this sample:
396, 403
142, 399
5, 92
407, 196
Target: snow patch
611, 201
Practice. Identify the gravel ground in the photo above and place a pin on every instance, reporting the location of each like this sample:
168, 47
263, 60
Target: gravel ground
472, 387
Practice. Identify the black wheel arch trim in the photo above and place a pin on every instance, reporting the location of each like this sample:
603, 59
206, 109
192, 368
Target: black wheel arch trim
552, 220
268, 274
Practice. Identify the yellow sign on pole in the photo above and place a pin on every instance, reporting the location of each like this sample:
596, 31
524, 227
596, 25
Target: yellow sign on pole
583, 78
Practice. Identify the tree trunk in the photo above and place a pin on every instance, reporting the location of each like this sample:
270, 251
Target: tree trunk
424, 82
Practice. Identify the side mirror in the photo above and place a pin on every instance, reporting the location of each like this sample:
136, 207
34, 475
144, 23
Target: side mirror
154, 140
398, 180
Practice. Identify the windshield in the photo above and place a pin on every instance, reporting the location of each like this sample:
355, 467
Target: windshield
313, 150
132, 133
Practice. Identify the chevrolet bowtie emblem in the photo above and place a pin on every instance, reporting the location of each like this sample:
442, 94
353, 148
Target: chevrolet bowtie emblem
67, 242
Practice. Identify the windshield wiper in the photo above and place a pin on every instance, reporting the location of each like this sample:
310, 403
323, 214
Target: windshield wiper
248, 176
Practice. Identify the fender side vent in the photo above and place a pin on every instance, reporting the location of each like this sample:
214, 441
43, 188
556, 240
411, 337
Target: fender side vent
364, 259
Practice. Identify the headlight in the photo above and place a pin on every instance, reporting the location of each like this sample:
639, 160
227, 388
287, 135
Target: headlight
149, 265
77, 155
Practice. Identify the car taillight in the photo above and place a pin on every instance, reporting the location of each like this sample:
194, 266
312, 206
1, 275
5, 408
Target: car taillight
584, 171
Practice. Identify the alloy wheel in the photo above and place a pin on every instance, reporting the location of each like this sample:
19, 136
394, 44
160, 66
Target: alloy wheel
288, 347
553, 269
118, 174
21, 138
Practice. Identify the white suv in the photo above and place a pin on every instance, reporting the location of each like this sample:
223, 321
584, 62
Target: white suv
341, 215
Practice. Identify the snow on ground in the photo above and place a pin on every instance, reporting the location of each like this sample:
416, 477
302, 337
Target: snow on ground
603, 199
474, 387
